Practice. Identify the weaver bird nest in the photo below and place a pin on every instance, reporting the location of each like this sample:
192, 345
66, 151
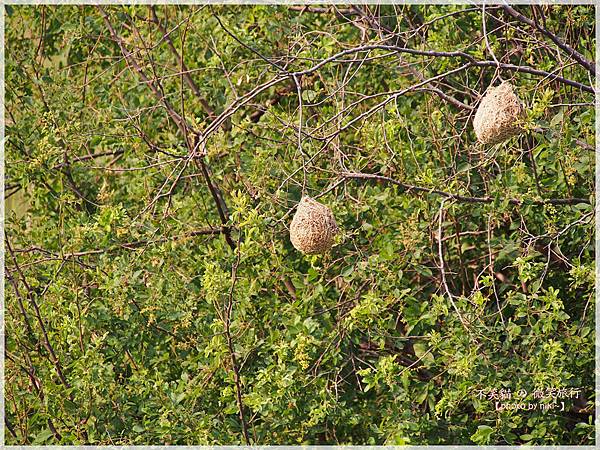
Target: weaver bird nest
496, 119
313, 228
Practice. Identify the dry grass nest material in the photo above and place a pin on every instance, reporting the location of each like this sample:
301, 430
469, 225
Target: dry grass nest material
313, 228
496, 119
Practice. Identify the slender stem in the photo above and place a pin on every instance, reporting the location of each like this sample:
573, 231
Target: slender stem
234, 363
563, 45
462, 198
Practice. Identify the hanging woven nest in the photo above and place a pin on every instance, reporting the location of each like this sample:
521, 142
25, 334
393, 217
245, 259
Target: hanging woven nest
496, 119
313, 228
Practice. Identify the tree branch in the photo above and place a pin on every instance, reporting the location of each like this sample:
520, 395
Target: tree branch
182, 125
186, 75
590, 66
408, 188
230, 346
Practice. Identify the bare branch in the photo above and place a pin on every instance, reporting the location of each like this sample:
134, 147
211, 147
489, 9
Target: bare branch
590, 66
408, 188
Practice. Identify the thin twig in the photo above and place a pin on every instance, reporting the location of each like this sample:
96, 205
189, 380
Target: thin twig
463, 198
590, 66
227, 324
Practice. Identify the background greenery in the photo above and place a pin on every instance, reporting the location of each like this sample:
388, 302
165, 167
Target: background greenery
136, 315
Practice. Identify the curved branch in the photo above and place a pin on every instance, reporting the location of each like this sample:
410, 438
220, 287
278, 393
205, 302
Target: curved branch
590, 66
185, 72
246, 98
462, 198
532, 71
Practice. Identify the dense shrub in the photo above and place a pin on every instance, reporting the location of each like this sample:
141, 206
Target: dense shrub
153, 295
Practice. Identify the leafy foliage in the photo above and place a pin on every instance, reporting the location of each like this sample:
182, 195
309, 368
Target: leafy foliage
153, 296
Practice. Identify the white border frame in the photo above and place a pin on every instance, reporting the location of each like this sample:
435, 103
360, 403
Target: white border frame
596, 3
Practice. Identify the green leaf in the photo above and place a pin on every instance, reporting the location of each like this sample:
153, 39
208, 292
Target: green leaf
42, 436
483, 435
